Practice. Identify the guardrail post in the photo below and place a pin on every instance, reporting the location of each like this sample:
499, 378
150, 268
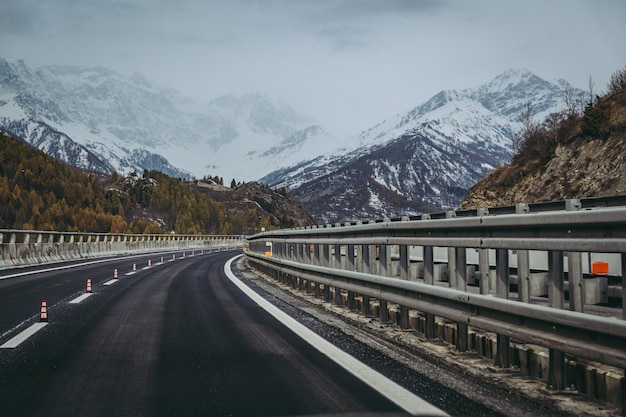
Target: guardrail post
351, 266
429, 279
326, 263
556, 371
405, 262
462, 331
318, 261
405, 269
555, 279
385, 269
452, 271
575, 269
503, 358
338, 265
461, 268
368, 264
483, 262
523, 263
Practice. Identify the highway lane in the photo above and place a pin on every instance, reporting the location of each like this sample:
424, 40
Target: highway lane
176, 339
22, 289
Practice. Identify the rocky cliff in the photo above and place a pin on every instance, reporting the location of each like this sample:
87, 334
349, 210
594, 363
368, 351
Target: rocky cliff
588, 160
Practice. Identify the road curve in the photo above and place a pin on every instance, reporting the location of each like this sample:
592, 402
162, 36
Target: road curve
176, 339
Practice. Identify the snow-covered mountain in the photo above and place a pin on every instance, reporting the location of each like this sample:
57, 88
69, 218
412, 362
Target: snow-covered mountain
425, 159
421, 160
98, 119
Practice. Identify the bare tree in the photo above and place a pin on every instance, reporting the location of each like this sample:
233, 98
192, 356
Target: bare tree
617, 81
573, 104
591, 86
529, 127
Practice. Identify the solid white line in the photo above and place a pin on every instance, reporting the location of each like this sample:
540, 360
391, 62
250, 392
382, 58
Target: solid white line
130, 273
402, 397
110, 282
81, 298
17, 340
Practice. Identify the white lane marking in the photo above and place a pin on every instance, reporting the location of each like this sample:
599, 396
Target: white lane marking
81, 298
402, 397
111, 282
130, 273
58, 268
18, 339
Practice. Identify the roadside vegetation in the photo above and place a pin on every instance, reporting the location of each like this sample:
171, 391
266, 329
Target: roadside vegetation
578, 152
580, 119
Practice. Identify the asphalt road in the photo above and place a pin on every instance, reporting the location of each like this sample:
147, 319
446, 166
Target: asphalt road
177, 339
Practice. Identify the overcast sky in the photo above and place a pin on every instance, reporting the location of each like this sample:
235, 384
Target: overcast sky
347, 63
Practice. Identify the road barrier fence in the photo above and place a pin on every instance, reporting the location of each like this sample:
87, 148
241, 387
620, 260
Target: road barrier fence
27, 247
545, 275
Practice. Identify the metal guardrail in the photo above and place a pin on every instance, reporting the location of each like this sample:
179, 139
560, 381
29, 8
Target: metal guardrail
378, 259
28, 247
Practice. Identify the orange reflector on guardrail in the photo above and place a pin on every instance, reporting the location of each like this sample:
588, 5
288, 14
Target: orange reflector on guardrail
600, 268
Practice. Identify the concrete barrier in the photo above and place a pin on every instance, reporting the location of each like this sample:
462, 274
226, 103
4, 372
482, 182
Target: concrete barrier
28, 247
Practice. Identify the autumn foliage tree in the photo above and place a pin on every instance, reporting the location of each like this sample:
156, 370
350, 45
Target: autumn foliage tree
38, 192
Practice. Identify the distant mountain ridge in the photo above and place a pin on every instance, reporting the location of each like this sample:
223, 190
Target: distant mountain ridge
419, 161
95, 118
425, 159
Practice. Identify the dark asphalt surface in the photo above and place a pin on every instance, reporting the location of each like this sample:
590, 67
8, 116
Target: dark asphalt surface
177, 339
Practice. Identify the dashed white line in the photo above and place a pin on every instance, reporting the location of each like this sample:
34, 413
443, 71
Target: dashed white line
111, 282
18, 339
81, 298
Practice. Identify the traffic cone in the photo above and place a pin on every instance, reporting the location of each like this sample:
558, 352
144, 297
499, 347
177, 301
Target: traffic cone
193, 253
161, 259
149, 262
43, 311
134, 267
115, 273
89, 285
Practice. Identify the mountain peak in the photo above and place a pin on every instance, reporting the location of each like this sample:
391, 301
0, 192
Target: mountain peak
511, 79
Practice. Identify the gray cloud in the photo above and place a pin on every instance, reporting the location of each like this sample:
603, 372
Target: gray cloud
16, 18
350, 63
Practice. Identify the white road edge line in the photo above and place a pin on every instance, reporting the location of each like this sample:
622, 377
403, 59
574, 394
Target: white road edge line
21, 337
405, 399
111, 281
81, 298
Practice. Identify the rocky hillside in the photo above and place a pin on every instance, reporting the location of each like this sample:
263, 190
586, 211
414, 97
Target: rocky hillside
255, 201
581, 155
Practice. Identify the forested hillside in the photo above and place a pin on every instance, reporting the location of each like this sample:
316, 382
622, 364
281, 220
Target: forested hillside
38, 192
